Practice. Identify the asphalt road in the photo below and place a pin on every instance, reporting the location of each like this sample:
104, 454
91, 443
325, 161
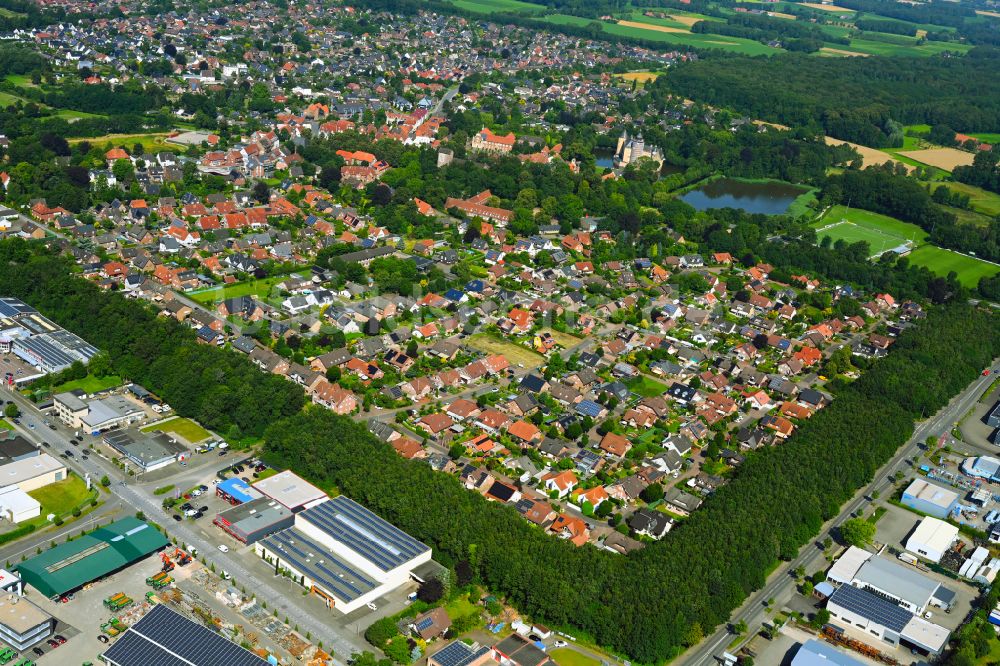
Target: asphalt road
129, 498
782, 581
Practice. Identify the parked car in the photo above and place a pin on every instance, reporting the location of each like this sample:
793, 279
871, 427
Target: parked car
224, 548
39, 651
102, 638
177, 517
371, 606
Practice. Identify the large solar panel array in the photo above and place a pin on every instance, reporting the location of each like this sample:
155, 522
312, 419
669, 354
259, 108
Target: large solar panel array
381, 543
11, 307
458, 654
871, 607
165, 638
325, 569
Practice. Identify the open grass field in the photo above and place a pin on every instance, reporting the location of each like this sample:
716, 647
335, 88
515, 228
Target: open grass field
5, 426
565, 339
257, 288
495, 6
882, 232
651, 32
641, 77
942, 262
62, 496
89, 384
485, 342
896, 45
650, 26
942, 158
982, 201
827, 8
185, 428
151, 141
567, 656
988, 137
6, 99
21, 80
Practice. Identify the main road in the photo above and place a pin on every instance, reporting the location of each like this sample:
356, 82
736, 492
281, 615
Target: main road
782, 581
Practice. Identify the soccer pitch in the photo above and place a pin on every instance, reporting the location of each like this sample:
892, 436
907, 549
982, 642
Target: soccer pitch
881, 232
878, 241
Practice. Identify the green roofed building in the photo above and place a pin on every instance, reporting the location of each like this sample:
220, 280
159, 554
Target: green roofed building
106, 550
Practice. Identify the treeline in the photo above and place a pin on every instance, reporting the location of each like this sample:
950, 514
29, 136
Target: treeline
883, 25
653, 603
984, 171
222, 390
856, 99
794, 35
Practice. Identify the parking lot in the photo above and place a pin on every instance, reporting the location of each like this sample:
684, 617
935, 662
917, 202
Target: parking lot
17, 368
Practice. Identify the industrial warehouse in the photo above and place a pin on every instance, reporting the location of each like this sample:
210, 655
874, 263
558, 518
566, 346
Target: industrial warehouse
37, 341
71, 565
344, 553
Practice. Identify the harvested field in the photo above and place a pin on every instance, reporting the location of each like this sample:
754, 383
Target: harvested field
650, 26
842, 52
826, 8
790, 17
983, 12
641, 77
686, 20
942, 158
869, 156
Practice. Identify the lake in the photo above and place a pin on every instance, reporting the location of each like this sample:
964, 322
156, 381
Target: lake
767, 198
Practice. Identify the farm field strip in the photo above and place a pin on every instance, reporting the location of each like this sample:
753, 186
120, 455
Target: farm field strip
942, 158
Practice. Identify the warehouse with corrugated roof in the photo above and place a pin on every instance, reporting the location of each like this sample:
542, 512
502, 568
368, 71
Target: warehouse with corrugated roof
70, 566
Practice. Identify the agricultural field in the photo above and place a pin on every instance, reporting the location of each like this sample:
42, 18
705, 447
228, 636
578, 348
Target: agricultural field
869, 156
987, 137
642, 78
496, 6
827, 8
185, 428
882, 232
516, 354
982, 201
942, 158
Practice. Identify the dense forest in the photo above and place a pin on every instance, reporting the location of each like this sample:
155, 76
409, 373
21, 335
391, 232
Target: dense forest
668, 595
649, 605
222, 390
860, 99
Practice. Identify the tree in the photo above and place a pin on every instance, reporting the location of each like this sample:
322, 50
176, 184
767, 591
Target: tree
381, 632
261, 192
430, 590
456, 451
652, 493
105, 481
857, 532
821, 617
11, 411
123, 170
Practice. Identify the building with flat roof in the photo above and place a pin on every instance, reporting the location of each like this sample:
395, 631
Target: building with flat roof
930, 499
33, 472
146, 451
461, 654
16, 506
847, 565
71, 565
95, 416
880, 618
931, 539
38, 341
16, 448
903, 585
344, 553
983, 467
818, 653
252, 521
292, 491
236, 491
164, 637
22, 623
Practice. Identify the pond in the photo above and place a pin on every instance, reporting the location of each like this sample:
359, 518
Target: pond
772, 198
604, 158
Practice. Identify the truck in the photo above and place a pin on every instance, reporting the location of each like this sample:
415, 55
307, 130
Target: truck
909, 559
118, 601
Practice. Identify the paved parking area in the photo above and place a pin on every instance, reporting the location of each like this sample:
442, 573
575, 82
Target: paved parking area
17, 367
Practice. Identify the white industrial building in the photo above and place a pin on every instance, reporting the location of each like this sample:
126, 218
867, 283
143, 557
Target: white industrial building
291, 491
868, 613
96, 416
17, 506
38, 341
344, 553
22, 623
901, 584
31, 473
931, 539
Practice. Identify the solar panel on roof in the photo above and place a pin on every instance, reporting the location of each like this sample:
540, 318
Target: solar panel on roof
165, 638
425, 624
458, 654
872, 607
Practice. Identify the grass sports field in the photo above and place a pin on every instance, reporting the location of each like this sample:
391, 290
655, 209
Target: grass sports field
882, 232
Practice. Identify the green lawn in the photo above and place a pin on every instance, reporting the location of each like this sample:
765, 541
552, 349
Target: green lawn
515, 354
494, 6
988, 137
6, 99
646, 387
257, 288
703, 41
942, 262
982, 201
5, 426
185, 428
152, 142
898, 45
566, 656
89, 384
61, 497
